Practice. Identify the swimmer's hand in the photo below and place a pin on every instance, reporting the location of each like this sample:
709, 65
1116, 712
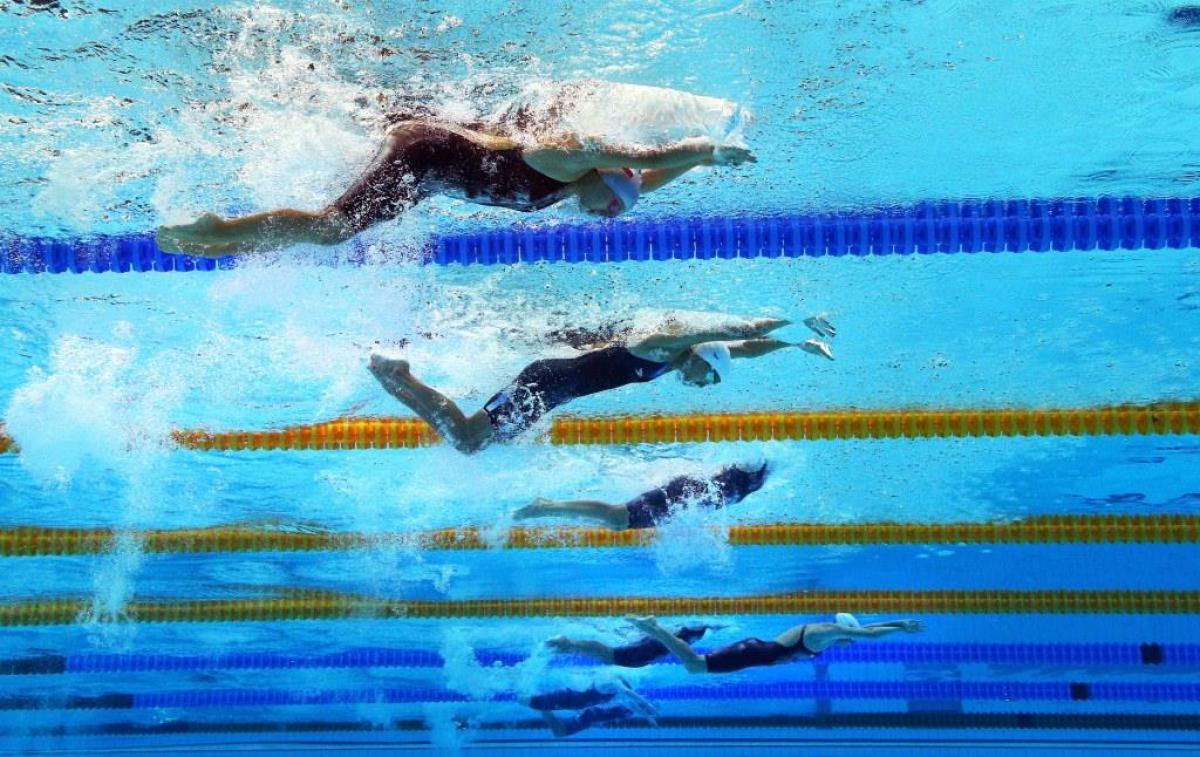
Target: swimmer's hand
816, 347
911, 626
731, 155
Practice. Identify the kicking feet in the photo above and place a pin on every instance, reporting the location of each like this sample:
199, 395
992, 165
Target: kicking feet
820, 324
538, 508
816, 347
634, 700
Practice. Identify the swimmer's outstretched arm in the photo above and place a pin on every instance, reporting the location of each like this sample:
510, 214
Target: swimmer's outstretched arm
212, 236
685, 337
615, 517
569, 161
750, 348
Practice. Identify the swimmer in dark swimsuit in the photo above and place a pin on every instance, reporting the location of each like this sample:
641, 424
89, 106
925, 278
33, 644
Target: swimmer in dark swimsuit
810, 639
701, 356
646, 510
488, 164
594, 705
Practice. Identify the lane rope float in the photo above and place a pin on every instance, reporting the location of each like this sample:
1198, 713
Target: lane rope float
300, 605
1019, 225
1048, 529
393, 433
1087, 654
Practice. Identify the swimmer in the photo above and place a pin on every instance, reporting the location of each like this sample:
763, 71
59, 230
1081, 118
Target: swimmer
594, 706
809, 639
646, 510
509, 163
701, 356
637, 654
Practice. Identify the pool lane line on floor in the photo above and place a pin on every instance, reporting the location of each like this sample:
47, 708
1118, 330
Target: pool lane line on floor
32, 541
1007, 691
944, 226
1095, 654
916, 720
390, 433
311, 605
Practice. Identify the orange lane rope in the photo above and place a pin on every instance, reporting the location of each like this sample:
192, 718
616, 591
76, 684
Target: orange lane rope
327, 606
387, 433
1050, 529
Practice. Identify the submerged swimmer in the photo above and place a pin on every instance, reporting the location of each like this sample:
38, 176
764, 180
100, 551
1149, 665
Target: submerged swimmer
604, 703
523, 161
701, 356
809, 639
646, 510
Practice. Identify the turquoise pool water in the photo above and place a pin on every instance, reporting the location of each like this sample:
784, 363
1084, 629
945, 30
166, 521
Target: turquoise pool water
119, 116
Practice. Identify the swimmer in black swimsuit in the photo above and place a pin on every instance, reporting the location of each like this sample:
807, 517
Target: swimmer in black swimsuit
810, 639
595, 705
488, 164
646, 510
702, 356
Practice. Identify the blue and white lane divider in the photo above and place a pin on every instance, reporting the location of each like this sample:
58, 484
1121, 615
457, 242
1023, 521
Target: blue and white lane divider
924, 228
1006, 691
1094, 654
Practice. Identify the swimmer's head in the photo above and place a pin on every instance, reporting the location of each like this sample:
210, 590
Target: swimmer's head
608, 192
707, 363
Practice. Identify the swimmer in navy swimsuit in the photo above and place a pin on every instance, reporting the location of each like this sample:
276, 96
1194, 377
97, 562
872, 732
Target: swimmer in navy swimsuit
732, 484
701, 356
594, 705
810, 639
508, 163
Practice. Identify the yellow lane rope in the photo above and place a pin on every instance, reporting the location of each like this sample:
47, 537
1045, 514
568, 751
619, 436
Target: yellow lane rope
1051, 529
385, 433
326, 606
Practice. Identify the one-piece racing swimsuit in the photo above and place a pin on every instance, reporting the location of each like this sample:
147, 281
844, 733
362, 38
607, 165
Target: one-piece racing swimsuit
753, 653
546, 384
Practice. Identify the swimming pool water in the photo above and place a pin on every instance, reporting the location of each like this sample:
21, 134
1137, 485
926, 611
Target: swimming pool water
119, 116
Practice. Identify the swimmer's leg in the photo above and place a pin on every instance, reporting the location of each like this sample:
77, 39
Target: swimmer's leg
467, 433
595, 649
212, 236
615, 517
563, 727
694, 663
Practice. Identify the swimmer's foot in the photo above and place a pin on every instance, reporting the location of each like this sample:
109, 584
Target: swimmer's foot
647, 624
206, 236
382, 366
634, 700
820, 324
560, 644
556, 726
538, 508
817, 347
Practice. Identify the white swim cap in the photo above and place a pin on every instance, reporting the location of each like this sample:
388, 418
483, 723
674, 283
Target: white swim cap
846, 619
624, 183
716, 354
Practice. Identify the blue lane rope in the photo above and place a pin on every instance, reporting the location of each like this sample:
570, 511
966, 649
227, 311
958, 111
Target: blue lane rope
1008, 691
937, 720
378, 657
928, 227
